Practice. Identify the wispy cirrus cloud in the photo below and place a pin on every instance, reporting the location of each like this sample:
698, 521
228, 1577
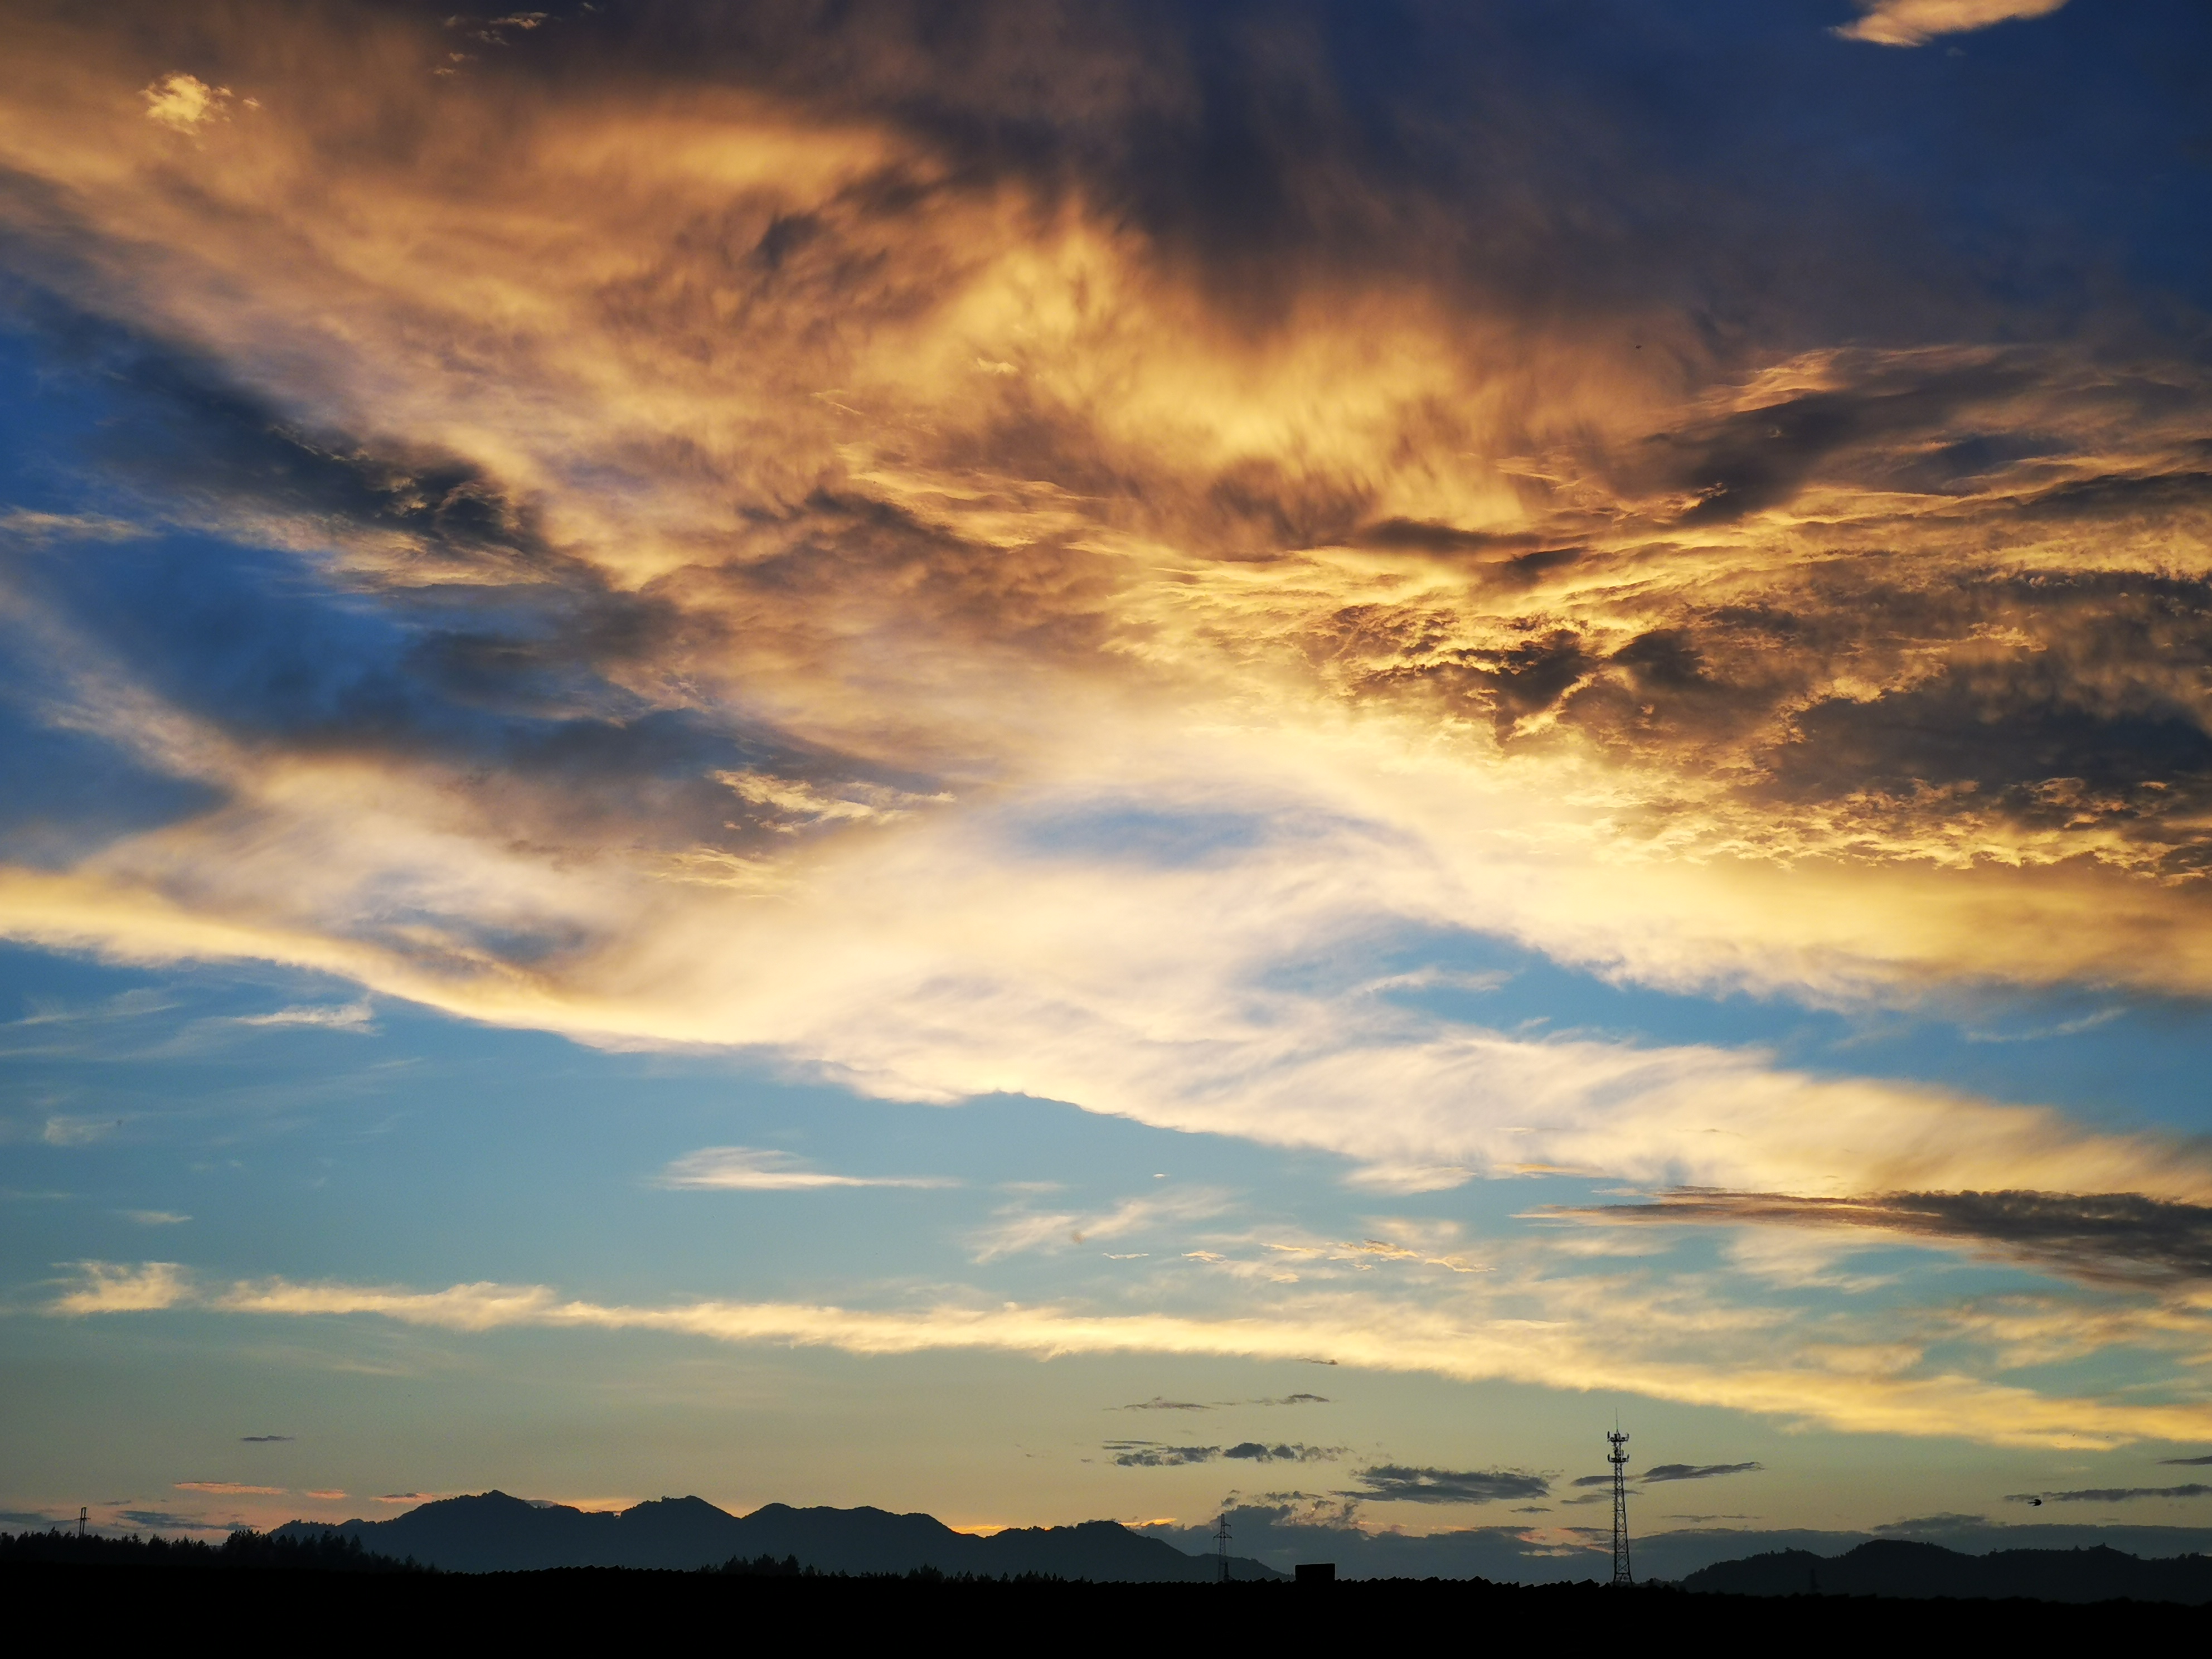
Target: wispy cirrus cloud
112, 1287
2098, 1237
1397, 1484
1020, 1228
166, 1520
1155, 1455
231, 1489
1158, 1455
751, 1168
1662, 1472
1875, 1383
1158, 1403
67, 1129
1916, 22
358, 1017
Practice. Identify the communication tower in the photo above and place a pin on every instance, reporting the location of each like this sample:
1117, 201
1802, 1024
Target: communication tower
1221, 1543
1618, 1458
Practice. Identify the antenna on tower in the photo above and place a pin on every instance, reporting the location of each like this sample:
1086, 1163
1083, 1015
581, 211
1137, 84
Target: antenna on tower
1221, 1542
1618, 1458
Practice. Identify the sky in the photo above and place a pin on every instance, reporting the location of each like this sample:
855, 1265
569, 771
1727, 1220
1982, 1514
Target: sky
1054, 762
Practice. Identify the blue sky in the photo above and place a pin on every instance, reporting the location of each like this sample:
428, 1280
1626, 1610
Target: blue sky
1183, 756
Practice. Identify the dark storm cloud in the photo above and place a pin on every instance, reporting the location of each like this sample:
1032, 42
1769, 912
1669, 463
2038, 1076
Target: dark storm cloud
1395, 1483
2109, 1494
2107, 1236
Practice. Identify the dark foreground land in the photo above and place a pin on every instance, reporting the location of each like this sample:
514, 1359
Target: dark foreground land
354, 1598
348, 1610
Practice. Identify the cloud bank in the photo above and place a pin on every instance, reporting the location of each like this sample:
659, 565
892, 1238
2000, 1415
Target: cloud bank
1866, 1385
1041, 555
796, 576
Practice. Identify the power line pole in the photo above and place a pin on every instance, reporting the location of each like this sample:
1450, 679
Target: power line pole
1619, 1459
80, 1514
1221, 1542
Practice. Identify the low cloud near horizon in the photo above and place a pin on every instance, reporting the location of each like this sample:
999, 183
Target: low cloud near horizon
1395, 1483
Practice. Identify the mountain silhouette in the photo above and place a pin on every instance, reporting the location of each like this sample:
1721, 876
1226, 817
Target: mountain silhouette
1896, 1566
493, 1532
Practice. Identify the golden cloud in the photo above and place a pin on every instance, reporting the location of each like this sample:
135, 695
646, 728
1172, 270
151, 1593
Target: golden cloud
1857, 1383
940, 512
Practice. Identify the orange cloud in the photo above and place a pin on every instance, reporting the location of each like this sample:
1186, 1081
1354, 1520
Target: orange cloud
1859, 1383
231, 1488
958, 514
1914, 22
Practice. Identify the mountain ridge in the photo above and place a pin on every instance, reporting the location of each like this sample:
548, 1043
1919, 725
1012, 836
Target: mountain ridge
1906, 1568
495, 1531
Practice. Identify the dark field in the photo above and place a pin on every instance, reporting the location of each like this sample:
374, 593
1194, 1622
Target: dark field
347, 1611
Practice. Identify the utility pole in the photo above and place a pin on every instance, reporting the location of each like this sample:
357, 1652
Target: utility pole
1619, 1459
1221, 1542
82, 1512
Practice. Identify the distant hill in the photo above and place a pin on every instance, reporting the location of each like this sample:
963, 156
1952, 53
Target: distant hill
311, 1552
1893, 1566
495, 1533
